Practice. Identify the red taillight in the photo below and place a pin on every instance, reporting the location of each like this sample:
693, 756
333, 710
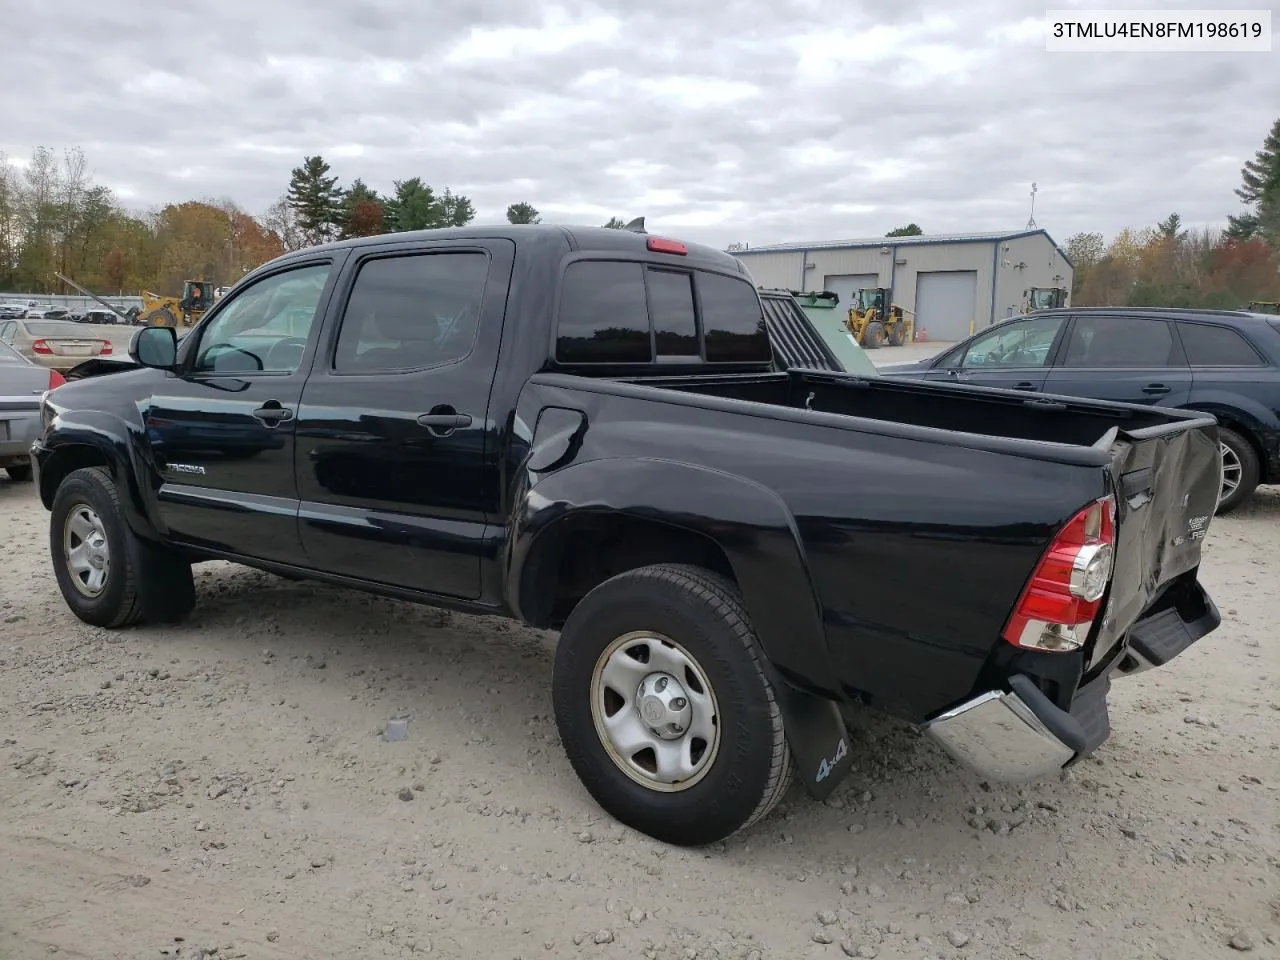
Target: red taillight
56, 379
1062, 599
39, 346
663, 245
106, 348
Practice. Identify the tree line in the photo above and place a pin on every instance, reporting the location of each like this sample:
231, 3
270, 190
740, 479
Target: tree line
1165, 265
55, 219
317, 209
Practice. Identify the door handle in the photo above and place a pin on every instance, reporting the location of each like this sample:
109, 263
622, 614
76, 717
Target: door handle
442, 420
272, 413
1156, 389
1024, 385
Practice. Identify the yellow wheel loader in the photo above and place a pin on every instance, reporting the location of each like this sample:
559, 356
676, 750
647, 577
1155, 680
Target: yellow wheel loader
876, 321
157, 311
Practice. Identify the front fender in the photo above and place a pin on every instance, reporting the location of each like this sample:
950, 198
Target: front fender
87, 438
758, 535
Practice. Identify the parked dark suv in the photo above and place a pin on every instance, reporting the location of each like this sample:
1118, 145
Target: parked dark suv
1224, 362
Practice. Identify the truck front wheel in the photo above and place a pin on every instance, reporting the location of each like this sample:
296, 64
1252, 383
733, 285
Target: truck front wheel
109, 576
663, 708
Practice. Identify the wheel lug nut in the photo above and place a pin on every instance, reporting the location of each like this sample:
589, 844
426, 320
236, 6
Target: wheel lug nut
678, 703
661, 684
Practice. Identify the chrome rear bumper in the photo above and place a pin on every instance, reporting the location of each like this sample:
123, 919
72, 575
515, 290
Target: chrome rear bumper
998, 736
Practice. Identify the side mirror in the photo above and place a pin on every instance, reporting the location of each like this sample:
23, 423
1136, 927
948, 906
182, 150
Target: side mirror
155, 347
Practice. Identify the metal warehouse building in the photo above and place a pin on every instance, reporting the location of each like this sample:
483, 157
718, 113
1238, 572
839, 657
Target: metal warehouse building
955, 283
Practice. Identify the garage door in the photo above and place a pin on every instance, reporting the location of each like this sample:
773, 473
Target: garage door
945, 303
847, 284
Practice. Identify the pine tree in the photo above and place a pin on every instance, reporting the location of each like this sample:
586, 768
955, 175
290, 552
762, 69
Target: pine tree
1260, 190
316, 200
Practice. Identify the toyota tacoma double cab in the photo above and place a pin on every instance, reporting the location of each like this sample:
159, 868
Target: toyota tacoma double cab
588, 430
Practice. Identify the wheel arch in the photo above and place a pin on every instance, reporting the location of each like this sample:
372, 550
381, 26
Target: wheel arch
75, 448
674, 513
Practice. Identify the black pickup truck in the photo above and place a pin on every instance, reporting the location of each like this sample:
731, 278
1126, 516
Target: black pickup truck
587, 430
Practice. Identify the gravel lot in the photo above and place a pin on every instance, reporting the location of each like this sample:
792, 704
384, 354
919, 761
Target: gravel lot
223, 786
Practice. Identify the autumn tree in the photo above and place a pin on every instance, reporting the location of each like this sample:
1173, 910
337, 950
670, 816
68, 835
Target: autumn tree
910, 230
523, 213
363, 212
281, 220
316, 200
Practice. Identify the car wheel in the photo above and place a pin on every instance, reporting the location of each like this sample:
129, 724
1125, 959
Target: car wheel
1241, 470
109, 576
20, 473
664, 708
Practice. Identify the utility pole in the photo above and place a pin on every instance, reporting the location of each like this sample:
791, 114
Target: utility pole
1031, 220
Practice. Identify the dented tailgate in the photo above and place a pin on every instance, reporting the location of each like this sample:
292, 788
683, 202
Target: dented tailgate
1166, 481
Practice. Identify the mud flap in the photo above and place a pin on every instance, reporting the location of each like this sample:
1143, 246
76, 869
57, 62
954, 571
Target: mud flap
817, 736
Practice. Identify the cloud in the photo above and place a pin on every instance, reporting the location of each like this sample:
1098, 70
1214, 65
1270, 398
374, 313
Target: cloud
745, 120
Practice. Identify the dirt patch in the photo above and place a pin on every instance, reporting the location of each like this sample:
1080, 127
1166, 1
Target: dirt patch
223, 789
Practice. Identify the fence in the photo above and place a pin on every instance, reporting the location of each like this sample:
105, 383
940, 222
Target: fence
72, 302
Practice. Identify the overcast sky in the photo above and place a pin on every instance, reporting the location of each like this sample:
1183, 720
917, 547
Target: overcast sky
759, 121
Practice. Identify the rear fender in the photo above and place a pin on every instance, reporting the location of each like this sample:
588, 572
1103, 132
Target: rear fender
758, 536
88, 438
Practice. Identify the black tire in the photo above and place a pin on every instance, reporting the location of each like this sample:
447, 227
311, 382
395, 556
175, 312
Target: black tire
1250, 469
144, 581
20, 473
703, 613
898, 334
874, 337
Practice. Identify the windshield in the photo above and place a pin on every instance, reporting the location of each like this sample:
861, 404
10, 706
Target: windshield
830, 326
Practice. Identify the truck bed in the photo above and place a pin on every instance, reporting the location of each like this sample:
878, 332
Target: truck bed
958, 408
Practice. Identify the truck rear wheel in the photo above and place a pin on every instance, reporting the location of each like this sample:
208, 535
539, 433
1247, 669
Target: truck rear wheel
109, 576
663, 708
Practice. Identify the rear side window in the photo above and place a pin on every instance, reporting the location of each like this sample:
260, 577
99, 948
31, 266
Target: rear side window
1213, 346
411, 312
732, 321
603, 316
1098, 341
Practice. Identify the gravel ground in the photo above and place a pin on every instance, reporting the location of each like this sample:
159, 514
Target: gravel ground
221, 790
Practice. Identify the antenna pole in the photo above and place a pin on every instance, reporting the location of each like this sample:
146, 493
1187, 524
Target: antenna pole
1031, 221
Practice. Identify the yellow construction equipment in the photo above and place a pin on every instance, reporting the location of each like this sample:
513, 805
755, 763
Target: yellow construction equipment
1044, 298
876, 321
157, 311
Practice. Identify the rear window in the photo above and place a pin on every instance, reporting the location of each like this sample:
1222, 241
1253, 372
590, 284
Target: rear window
55, 329
1213, 346
732, 321
624, 312
675, 327
603, 317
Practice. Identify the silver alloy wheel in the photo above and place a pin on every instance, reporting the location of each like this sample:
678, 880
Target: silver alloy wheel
655, 711
1231, 472
85, 550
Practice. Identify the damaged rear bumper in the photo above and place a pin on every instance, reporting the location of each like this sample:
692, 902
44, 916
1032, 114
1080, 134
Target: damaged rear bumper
1020, 734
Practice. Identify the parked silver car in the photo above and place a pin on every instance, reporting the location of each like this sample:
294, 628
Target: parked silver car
22, 384
58, 344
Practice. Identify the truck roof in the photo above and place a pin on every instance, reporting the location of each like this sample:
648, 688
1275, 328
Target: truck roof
583, 238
